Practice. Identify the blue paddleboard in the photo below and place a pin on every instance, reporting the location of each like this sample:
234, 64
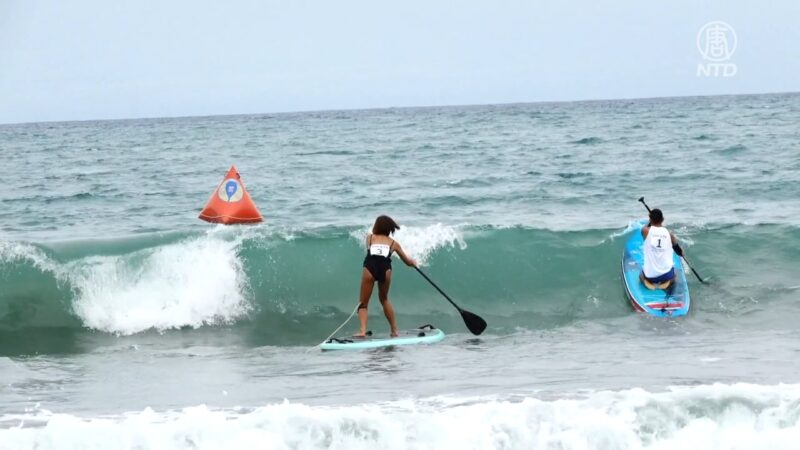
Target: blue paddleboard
423, 335
658, 302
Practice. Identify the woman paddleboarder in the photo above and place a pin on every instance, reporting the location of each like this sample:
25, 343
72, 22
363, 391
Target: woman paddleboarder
378, 267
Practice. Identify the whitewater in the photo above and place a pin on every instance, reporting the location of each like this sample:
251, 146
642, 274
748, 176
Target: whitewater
125, 322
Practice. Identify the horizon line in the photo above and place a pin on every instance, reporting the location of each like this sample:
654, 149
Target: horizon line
379, 108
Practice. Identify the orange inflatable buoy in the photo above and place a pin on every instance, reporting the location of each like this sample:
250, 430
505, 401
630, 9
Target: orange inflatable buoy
230, 203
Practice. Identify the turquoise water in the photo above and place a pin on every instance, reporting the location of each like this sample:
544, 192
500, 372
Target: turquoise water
116, 298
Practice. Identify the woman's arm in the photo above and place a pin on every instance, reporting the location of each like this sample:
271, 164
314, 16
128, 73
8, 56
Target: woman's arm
410, 262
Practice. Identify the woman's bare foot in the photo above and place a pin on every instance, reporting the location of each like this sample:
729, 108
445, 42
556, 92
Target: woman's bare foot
393, 333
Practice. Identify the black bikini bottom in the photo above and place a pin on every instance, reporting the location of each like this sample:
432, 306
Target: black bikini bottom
377, 267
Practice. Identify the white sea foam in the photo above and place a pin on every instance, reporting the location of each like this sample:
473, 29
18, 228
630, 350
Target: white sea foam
421, 242
740, 416
634, 224
194, 282
11, 251
190, 283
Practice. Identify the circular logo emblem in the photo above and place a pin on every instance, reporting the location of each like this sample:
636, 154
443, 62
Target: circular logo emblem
716, 41
230, 191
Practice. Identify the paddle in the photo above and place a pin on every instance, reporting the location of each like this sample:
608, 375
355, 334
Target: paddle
641, 199
474, 322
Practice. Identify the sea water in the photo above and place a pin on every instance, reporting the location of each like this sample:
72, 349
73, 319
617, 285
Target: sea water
125, 322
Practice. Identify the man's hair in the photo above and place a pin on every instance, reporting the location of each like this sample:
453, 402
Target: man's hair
656, 216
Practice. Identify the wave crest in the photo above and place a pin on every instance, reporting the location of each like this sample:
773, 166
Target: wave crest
195, 282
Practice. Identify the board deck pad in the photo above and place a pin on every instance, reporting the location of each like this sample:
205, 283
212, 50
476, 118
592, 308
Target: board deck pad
658, 302
426, 334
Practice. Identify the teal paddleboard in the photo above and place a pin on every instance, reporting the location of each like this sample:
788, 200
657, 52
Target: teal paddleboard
423, 335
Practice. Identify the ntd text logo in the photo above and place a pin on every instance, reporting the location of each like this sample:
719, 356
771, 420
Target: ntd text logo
716, 42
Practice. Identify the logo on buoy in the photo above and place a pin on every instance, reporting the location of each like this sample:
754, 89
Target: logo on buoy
230, 191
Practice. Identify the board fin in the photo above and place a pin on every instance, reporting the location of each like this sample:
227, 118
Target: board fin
230, 203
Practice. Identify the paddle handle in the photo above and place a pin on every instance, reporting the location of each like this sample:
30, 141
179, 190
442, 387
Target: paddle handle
437, 288
641, 199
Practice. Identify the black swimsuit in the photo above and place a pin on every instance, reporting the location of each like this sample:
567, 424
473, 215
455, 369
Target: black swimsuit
377, 265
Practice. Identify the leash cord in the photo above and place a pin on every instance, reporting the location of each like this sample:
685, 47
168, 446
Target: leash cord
340, 326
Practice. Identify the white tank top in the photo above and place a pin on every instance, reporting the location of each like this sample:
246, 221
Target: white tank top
657, 252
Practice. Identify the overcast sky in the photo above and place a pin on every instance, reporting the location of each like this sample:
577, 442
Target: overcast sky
102, 59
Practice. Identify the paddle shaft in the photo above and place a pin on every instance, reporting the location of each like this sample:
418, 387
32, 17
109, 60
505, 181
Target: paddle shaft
641, 199
438, 288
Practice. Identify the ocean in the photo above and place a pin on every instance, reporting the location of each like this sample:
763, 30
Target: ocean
127, 323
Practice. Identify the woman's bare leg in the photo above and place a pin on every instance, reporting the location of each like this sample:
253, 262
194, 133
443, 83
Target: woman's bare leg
388, 310
367, 282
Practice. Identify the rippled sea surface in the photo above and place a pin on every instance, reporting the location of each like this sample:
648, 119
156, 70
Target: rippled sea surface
126, 322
